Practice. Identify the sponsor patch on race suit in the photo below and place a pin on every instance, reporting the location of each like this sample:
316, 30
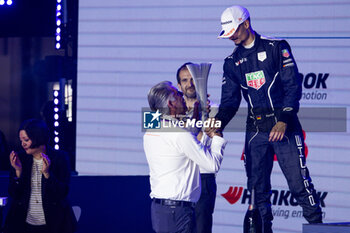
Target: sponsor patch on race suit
255, 79
262, 56
285, 53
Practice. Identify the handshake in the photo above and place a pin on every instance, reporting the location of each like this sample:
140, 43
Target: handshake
214, 127
211, 127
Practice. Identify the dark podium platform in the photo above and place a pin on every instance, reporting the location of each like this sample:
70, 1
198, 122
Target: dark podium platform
341, 227
106, 204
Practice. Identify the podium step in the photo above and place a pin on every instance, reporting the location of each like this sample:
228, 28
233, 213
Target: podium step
341, 227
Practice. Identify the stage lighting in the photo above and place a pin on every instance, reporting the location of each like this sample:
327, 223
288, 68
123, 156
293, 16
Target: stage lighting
58, 23
60, 113
56, 115
4, 3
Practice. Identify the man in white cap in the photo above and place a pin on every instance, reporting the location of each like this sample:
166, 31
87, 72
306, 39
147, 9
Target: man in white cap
266, 73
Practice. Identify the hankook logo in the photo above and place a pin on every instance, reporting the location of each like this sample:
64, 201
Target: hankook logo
227, 22
278, 197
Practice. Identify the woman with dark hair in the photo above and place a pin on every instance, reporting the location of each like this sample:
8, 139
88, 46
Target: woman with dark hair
39, 184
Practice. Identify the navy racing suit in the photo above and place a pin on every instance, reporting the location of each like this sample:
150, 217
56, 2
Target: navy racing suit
267, 76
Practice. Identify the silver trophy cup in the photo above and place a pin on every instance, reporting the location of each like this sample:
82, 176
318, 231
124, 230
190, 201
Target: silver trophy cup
200, 74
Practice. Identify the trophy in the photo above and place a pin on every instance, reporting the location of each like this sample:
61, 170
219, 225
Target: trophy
200, 74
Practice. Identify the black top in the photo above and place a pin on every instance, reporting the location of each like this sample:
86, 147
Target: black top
58, 213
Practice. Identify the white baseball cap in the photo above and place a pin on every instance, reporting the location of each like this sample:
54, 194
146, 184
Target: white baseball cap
231, 18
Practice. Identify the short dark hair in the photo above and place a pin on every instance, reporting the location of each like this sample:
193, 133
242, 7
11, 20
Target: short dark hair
183, 67
37, 132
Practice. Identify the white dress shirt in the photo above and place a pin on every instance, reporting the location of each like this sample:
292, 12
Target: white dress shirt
207, 142
214, 109
174, 159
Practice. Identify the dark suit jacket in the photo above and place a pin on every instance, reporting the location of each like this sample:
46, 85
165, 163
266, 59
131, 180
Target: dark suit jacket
58, 212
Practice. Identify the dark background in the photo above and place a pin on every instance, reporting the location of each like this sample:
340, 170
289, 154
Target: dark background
25, 18
108, 204
30, 64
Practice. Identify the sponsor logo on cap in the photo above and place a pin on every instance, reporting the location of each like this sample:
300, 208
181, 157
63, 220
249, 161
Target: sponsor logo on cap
227, 22
230, 32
